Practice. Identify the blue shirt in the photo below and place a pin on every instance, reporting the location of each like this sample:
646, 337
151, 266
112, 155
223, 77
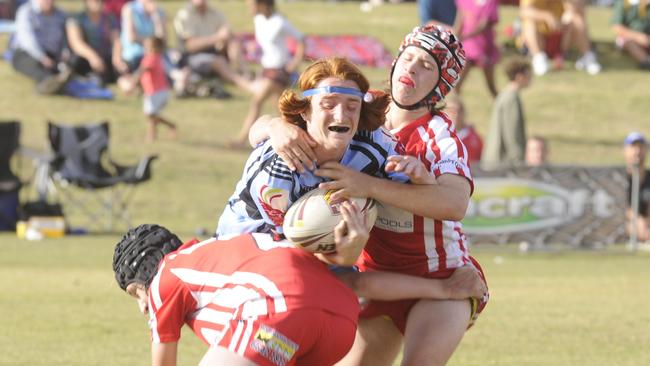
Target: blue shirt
40, 34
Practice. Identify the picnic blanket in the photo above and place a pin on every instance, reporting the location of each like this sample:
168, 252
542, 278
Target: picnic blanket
362, 50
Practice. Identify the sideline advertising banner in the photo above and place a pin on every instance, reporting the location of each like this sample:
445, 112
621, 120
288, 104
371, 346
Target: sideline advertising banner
578, 206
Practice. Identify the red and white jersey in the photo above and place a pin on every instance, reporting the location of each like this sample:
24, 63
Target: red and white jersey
404, 242
210, 283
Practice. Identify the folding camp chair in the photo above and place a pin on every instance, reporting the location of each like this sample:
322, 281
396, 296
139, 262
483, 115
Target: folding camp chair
9, 182
81, 159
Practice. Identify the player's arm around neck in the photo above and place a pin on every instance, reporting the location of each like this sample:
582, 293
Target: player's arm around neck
163, 354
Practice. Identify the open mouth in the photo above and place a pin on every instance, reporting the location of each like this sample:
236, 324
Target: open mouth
339, 129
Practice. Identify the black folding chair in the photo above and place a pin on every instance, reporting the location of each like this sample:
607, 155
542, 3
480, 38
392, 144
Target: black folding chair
81, 159
9, 183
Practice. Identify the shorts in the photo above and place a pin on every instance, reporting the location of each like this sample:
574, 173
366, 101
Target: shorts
154, 103
443, 11
279, 76
202, 62
301, 337
398, 311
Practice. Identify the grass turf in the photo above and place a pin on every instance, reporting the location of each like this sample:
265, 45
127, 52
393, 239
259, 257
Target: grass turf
61, 305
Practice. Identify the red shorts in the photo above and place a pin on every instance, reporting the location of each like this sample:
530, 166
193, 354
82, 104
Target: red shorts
303, 337
398, 311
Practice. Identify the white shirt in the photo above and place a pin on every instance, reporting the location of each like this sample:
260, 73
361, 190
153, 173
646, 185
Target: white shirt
271, 33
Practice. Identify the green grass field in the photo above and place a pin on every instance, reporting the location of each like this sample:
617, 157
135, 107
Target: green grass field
60, 303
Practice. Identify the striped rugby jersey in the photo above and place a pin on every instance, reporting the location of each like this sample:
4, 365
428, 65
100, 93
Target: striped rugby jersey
268, 187
404, 242
208, 284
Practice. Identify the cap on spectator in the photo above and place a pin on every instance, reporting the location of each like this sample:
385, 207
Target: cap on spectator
634, 137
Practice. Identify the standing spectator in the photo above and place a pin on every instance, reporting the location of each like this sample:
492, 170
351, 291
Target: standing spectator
141, 19
536, 151
634, 150
155, 86
545, 35
93, 36
631, 23
39, 48
441, 12
272, 31
506, 140
208, 43
475, 23
455, 110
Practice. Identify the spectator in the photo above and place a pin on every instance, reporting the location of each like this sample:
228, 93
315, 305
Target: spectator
546, 34
475, 23
441, 12
631, 23
155, 86
506, 140
536, 151
635, 149
141, 19
272, 32
208, 43
455, 110
40, 46
93, 37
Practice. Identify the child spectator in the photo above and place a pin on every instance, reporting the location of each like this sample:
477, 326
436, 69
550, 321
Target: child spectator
271, 32
536, 151
155, 86
475, 23
506, 140
455, 110
631, 23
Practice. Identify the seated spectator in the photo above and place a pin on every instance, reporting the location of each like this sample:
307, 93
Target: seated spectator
634, 150
455, 110
141, 19
93, 37
536, 151
441, 12
208, 43
547, 34
631, 23
39, 48
506, 140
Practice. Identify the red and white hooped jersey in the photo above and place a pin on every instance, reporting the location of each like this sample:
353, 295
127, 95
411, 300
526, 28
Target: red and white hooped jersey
404, 242
207, 284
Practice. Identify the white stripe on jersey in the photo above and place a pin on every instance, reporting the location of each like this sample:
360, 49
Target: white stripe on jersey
246, 337
235, 337
430, 244
213, 316
212, 336
155, 287
194, 247
258, 281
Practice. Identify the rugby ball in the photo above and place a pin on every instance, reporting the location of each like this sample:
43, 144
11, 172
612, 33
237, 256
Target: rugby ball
309, 223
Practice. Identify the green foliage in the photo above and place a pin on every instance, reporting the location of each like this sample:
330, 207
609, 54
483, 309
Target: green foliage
60, 303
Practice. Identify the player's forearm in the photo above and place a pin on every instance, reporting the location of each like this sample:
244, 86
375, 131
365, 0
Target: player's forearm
164, 354
438, 201
389, 286
259, 130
